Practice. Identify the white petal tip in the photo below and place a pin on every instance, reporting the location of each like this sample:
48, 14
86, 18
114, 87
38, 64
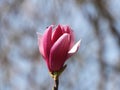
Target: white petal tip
79, 41
75, 48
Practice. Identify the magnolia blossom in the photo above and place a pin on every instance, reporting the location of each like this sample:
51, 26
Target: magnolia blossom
56, 45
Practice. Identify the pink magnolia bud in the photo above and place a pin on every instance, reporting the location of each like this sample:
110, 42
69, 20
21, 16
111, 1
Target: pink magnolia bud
56, 45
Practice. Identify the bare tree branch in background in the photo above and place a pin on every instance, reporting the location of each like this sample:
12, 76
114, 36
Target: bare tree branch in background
103, 11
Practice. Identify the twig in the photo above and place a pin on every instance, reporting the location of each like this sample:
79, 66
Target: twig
56, 84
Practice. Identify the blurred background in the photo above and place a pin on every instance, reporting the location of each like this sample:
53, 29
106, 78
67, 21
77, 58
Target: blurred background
95, 67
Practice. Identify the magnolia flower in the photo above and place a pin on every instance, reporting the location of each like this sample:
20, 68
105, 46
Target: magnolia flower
56, 45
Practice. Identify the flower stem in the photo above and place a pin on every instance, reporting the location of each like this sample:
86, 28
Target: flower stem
55, 76
56, 84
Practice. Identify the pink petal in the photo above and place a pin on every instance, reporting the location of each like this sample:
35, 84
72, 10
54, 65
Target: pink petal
39, 35
72, 39
67, 29
56, 34
40, 44
46, 42
62, 28
74, 49
58, 53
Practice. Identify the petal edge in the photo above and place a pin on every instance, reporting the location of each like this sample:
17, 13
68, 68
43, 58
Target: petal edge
74, 49
58, 53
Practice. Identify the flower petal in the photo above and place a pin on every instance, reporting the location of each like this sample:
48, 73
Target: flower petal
74, 49
40, 44
46, 41
67, 29
56, 34
72, 39
58, 52
39, 34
